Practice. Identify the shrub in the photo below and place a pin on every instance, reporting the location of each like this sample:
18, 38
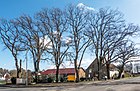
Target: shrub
61, 79
82, 79
50, 80
13, 80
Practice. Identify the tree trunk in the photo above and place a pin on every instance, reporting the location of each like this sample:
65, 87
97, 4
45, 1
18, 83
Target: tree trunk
120, 73
108, 71
36, 78
36, 71
57, 74
98, 69
76, 71
17, 67
18, 73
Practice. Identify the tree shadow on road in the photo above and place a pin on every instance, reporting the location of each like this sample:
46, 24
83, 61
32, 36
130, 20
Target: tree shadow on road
110, 89
136, 90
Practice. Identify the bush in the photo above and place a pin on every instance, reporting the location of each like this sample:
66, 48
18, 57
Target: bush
50, 80
13, 80
61, 79
82, 79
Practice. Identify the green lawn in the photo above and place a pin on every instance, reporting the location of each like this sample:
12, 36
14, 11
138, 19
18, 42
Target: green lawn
2, 82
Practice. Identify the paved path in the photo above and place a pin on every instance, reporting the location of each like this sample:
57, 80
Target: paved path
128, 84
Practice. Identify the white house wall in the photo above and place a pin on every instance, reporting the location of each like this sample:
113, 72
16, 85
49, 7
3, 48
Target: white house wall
136, 67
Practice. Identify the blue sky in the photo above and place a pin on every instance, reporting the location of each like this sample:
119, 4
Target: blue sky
10, 9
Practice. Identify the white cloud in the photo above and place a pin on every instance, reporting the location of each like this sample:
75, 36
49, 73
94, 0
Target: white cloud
83, 7
67, 64
67, 40
70, 64
46, 42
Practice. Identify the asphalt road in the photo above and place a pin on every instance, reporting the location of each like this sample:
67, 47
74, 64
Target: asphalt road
128, 84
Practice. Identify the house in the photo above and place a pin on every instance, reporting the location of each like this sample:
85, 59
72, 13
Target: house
68, 74
5, 78
92, 70
1, 75
133, 65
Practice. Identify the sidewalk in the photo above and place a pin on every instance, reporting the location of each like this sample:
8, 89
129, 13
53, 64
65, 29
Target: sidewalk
73, 84
49, 84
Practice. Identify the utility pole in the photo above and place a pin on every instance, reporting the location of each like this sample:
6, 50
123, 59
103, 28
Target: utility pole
26, 68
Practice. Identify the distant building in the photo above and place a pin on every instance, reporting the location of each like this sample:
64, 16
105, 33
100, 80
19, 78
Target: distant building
1, 75
133, 65
92, 70
65, 73
136, 67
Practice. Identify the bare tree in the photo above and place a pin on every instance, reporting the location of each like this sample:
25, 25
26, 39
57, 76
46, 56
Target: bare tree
11, 40
55, 26
3, 71
117, 40
107, 30
33, 39
77, 20
125, 52
103, 24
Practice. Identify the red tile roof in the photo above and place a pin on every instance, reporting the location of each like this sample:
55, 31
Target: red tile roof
61, 71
